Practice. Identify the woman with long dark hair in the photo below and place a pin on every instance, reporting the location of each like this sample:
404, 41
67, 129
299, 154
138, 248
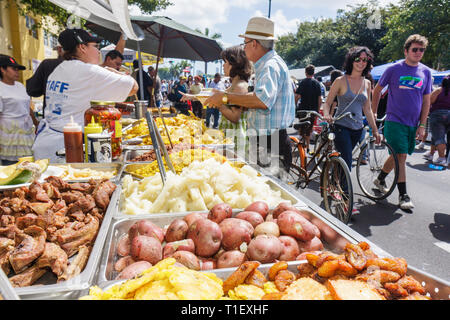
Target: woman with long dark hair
238, 68
353, 92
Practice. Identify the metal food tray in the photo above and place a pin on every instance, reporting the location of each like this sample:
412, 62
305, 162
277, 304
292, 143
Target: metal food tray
332, 240
285, 194
129, 155
435, 288
70, 287
109, 166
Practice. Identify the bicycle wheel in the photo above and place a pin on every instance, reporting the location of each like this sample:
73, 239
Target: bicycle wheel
294, 174
366, 174
317, 143
337, 190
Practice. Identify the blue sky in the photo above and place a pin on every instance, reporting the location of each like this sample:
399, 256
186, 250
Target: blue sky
229, 17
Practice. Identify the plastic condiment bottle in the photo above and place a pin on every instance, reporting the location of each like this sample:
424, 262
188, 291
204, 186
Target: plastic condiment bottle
92, 127
73, 142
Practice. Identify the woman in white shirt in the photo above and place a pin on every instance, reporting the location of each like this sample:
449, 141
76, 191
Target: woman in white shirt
73, 85
16, 116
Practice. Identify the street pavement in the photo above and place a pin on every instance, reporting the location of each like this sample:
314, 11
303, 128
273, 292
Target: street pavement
421, 235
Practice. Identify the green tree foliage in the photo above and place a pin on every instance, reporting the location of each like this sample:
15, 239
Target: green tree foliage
326, 41
430, 18
46, 8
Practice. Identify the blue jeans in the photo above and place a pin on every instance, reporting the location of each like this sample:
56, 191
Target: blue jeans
346, 139
215, 113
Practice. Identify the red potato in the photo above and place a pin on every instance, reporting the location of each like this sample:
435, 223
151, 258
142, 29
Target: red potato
260, 207
267, 227
312, 245
192, 217
294, 225
220, 212
146, 228
264, 249
281, 207
146, 248
235, 232
124, 246
177, 230
207, 264
207, 237
230, 259
302, 256
290, 248
187, 259
251, 216
316, 231
182, 245
133, 270
123, 262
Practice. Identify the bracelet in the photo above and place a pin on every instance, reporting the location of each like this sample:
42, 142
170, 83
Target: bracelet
422, 125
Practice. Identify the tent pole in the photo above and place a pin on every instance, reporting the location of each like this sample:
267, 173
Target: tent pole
141, 70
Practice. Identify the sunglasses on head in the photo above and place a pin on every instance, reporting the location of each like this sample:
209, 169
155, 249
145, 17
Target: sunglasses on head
417, 49
358, 59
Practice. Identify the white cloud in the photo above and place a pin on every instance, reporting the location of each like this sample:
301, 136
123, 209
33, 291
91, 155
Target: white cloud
282, 24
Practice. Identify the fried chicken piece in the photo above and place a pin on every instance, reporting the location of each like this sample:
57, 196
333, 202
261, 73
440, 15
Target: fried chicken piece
411, 285
305, 270
337, 266
379, 276
398, 265
355, 256
395, 289
256, 278
283, 279
416, 296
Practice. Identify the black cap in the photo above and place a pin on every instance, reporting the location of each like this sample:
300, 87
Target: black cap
7, 61
70, 38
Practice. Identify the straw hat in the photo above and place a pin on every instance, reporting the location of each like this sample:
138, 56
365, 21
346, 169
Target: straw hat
260, 28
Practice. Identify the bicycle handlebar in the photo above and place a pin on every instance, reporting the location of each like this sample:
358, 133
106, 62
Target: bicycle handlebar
321, 116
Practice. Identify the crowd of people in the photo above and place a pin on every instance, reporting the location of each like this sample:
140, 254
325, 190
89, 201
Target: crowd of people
258, 102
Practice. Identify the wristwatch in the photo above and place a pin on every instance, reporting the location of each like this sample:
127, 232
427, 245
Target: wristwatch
225, 99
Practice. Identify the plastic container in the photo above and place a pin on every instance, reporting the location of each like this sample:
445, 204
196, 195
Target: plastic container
91, 128
108, 116
73, 142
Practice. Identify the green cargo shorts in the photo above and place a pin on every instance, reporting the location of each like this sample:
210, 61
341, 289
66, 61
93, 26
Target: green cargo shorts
401, 138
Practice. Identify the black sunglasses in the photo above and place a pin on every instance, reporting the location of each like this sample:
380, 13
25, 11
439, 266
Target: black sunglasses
417, 49
358, 59
243, 44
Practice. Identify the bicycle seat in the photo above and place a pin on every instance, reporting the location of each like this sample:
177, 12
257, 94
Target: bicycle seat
297, 126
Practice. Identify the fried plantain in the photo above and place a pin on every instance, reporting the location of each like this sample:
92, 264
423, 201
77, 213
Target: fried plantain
272, 296
238, 277
278, 266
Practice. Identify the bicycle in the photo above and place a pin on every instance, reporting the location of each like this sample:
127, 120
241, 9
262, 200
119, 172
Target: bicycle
335, 182
376, 157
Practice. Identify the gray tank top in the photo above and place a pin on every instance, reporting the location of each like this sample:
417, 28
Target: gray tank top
356, 108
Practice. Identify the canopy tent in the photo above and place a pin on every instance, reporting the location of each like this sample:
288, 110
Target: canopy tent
299, 74
130, 55
439, 76
164, 37
109, 13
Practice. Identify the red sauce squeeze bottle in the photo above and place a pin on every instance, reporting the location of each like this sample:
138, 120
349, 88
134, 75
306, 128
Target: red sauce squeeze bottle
73, 142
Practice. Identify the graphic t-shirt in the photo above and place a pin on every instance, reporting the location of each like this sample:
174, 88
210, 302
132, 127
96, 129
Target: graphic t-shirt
74, 84
407, 86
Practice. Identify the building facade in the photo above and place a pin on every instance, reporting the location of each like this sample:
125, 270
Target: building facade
20, 38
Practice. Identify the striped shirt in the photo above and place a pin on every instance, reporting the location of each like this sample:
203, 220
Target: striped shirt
273, 87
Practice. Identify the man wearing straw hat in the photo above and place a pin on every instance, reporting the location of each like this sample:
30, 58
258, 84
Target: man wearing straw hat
271, 105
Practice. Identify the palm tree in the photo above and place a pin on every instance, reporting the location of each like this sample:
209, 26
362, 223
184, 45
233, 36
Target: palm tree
214, 36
